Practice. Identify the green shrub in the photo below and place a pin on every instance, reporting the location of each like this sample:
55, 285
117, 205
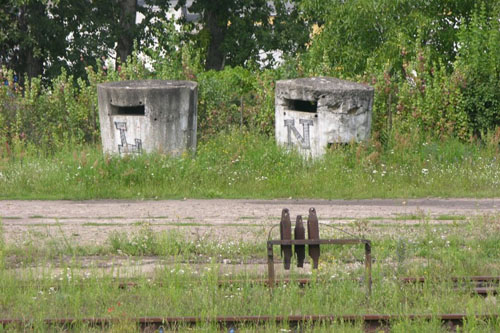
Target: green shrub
478, 65
66, 111
443, 83
425, 99
236, 97
49, 116
439, 85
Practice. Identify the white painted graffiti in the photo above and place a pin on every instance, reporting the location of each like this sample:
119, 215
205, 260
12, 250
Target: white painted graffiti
124, 147
305, 140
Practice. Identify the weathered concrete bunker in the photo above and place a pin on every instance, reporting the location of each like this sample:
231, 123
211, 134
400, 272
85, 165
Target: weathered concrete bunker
313, 113
147, 116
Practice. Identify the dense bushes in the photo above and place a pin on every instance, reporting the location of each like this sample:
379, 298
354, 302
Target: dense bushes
437, 83
425, 98
479, 65
236, 97
49, 117
66, 112
435, 65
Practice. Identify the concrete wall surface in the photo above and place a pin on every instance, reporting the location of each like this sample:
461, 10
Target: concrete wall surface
312, 113
148, 115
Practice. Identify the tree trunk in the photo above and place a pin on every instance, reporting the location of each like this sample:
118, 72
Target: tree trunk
34, 65
28, 63
217, 28
125, 40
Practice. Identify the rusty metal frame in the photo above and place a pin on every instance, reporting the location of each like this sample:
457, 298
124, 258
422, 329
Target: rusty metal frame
368, 255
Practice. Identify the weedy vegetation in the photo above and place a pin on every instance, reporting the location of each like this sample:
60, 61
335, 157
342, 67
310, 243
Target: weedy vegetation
435, 128
242, 164
185, 282
435, 67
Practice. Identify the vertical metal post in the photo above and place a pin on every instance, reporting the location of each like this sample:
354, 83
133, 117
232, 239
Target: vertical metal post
300, 233
286, 234
313, 233
270, 265
368, 267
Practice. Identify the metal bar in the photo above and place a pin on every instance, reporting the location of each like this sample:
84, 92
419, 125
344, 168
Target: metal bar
345, 241
454, 279
313, 243
299, 234
286, 234
305, 281
260, 318
300, 281
478, 278
313, 233
482, 281
482, 291
485, 291
368, 268
270, 264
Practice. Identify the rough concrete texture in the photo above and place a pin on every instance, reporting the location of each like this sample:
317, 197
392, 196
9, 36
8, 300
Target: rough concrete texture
147, 116
312, 113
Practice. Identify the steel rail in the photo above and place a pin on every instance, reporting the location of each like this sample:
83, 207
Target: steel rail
370, 321
481, 285
475, 279
481, 289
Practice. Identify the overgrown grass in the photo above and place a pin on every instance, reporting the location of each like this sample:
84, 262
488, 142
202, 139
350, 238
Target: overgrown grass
240, 164
177, 289
169, 245
471, 247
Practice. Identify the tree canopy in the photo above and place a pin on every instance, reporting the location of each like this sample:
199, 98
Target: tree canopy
39, 37
234, 32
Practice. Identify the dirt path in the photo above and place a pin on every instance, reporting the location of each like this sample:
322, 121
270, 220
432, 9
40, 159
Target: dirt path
92, 221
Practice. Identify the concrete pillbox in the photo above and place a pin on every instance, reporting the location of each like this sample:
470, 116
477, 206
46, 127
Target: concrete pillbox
312, 113
148, 115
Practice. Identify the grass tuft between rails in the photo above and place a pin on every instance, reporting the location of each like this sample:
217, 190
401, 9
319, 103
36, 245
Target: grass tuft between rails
240, 164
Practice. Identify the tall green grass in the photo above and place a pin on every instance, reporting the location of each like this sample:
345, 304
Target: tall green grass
241, 164
62, 288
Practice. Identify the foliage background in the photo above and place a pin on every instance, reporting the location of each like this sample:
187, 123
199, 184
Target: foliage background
435, 67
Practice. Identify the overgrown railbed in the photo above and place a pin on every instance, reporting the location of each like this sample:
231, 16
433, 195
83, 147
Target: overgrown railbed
187, 283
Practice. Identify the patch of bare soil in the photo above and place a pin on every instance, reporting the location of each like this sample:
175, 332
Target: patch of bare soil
91, 222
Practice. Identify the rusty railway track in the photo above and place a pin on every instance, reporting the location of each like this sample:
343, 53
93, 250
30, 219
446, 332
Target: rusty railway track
481, 285
478, 280
371, 322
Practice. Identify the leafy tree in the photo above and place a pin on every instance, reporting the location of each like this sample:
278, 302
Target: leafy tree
28, 36
356, 31
478, 69
39, 37
234, 31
